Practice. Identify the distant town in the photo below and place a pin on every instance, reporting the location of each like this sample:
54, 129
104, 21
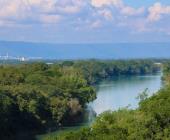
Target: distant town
7, 56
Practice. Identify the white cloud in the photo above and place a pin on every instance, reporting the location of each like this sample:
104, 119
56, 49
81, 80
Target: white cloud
157, 10
69, 9
50, 19
10, 9
107, 14
18, 10
96, 24
130, 11
46, 11
100, 3
122, 8
69, 6
91, 13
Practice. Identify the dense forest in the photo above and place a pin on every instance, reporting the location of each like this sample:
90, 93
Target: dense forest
37, 97
95, 70
151, 121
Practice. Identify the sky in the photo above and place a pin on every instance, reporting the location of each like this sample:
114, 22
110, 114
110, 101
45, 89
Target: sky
85, 21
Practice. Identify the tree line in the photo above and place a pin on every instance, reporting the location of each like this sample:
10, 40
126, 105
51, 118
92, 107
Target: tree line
97, 70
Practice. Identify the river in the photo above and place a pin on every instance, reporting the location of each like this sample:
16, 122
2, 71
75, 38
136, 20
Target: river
119, 92
122, 91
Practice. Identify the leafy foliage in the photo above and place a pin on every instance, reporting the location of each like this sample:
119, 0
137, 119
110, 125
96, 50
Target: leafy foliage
95, 71
37, 96
151, 121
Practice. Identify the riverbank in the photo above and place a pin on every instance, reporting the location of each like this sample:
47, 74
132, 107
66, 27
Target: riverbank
113, 94
151, 120
39, 97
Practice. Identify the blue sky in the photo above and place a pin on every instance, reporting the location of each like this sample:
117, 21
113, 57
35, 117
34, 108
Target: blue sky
85, 21
146, 3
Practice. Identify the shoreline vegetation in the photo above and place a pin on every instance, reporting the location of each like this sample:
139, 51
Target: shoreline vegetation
151, 120
37, 97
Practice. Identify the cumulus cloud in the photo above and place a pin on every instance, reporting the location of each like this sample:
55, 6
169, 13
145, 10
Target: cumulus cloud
81, 13
101, 3
157, 10
10, 9
130, 11
96, 24
107, 14
45, 11
53, 11
119, 5
69, 6
18, 11
51, 19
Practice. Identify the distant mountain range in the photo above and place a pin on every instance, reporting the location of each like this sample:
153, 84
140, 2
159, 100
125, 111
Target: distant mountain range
86, 51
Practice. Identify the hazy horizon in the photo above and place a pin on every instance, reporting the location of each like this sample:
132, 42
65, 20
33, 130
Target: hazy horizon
86, 51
